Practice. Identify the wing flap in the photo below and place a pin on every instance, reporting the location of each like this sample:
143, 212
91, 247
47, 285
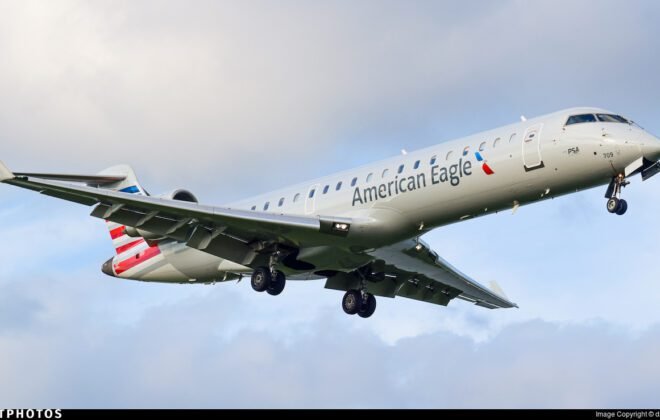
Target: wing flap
80, 199
237, 235
425, 276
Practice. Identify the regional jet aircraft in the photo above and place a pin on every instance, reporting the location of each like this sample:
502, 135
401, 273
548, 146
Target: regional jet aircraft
360, 229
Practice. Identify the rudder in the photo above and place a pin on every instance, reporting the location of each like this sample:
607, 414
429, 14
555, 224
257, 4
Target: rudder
129, 185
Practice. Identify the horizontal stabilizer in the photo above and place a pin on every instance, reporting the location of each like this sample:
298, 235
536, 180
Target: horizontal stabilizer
87, 179
5, 173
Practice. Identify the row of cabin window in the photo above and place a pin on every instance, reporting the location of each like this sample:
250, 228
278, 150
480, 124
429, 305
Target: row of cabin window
386, 171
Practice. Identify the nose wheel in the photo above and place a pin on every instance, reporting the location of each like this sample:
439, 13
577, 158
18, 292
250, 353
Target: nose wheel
615, 204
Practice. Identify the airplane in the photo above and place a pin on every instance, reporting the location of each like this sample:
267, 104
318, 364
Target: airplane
360, 229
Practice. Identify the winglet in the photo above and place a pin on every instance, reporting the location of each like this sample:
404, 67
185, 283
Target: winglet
497, 289
5, 173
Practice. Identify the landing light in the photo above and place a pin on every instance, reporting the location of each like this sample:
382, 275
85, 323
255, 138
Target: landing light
341, 227
419, 247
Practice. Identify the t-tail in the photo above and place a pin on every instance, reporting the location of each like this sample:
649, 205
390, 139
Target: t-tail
129, 184
132, 251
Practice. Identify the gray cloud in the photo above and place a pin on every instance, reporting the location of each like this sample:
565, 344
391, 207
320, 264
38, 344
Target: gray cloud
177, 355
222, 86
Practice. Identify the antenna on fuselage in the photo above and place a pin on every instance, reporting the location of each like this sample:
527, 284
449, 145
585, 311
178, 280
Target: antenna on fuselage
523, 118
404, 152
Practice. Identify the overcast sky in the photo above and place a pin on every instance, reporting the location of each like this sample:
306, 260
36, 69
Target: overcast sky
230, 99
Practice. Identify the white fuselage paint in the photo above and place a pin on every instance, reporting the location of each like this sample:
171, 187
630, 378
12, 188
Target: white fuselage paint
532, 160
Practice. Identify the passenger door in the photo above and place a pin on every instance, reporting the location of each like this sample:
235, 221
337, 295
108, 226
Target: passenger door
532, 148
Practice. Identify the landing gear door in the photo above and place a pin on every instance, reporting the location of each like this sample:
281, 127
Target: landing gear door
532, 148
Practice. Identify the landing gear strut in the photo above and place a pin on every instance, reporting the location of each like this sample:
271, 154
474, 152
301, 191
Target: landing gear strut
615, 204
277, 283
359, 302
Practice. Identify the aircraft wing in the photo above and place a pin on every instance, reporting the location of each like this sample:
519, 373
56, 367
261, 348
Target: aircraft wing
237, 235
411, 269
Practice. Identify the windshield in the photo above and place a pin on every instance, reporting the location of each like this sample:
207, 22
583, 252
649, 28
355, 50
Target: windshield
582, 118
587, 118
612, 118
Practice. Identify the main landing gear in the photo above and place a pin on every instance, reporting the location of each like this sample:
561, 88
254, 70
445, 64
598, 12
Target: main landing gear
267, 280
615, 204
359, 302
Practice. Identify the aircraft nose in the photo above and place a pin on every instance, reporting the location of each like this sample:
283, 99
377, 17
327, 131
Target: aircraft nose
106, 268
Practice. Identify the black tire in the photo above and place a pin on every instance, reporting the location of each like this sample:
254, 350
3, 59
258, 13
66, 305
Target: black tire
277, 284
623, 207
351, 302
369, 307
261, 279
613, 205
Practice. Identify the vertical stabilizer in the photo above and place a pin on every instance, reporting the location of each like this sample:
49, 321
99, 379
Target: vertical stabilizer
129, 185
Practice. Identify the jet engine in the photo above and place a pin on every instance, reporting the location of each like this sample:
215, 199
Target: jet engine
179, 195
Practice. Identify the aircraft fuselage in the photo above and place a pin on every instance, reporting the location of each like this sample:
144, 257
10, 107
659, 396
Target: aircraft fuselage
406, 196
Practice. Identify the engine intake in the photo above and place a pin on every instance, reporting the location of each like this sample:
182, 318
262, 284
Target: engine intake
180, 195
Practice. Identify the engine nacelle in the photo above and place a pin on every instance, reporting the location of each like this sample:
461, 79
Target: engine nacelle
179, 195
139, 233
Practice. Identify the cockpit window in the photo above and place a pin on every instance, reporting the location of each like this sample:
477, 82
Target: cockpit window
583, 118
612, 118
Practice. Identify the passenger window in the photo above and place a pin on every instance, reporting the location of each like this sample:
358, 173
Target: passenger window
325, 189
311, 193
266, 205
416, 165
254, 208
370, 177
296, 198
433, 159
338, 186
281, 202
385, 172
512, 138
482, 147
449, 153
401, 168
466, 150
579, 119
496, 142
353, 182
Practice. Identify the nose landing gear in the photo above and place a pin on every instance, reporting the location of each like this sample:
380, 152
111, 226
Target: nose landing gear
615, 204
